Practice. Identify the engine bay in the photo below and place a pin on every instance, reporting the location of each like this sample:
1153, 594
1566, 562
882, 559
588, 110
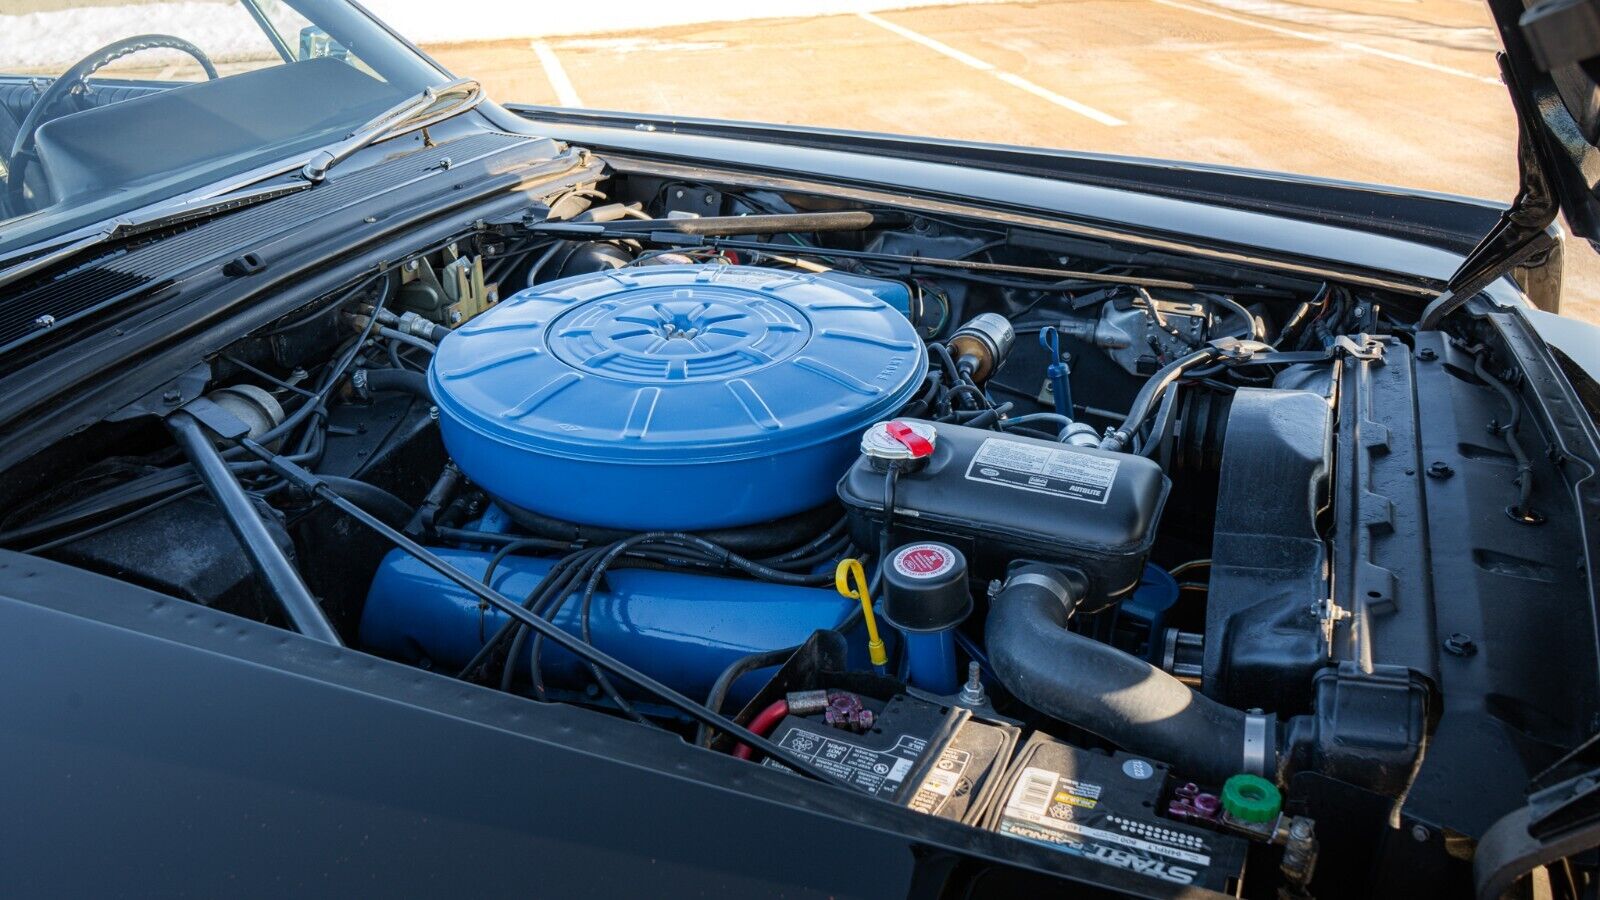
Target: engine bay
1228, 578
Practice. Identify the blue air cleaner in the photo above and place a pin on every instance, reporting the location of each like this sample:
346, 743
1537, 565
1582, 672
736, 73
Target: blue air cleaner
674, 397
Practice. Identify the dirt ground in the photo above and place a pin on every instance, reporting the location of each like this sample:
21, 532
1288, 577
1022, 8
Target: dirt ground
1401, 92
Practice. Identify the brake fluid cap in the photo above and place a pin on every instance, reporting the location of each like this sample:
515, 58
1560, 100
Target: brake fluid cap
925, 587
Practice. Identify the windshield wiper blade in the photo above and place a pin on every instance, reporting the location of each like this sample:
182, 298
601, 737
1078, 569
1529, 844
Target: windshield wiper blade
176, 213
389, 121
150, 219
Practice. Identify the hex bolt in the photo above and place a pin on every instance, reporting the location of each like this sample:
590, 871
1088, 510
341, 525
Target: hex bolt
1426, 354
171, 396
1440, 470
972, 691
1460, 644
1420, 834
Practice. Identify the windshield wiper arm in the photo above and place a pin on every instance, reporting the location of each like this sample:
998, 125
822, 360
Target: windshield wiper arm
165, 215
387, 122
51, 257
150, 219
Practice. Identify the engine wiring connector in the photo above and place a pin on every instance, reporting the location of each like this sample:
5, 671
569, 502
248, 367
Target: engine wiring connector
851, 581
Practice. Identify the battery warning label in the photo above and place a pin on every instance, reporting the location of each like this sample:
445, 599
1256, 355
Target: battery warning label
865, 769
947, 779
1044, 470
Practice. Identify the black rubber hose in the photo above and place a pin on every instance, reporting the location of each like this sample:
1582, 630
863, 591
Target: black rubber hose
1144, 403
762, 539
1253, 329
740, 667
399, 380
1103, 690
386, 506
1508, 432
817, 543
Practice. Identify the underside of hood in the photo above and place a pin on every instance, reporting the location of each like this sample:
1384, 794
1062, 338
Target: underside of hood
1551, 67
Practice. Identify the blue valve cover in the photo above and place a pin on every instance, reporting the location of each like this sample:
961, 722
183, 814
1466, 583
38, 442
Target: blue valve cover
674, 397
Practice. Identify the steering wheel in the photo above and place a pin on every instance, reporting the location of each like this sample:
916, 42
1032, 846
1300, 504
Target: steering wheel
71, 83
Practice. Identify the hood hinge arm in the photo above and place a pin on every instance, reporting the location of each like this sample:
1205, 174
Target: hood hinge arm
1521, 234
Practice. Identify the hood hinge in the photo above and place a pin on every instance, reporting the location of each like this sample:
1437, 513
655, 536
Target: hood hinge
1521, 234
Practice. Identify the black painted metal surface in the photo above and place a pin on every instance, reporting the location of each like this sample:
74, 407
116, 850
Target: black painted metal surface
181, 751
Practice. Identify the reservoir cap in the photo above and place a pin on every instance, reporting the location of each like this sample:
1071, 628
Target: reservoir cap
925, 587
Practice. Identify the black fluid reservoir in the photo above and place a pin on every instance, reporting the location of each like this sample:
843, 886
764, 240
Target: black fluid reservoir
1000, 498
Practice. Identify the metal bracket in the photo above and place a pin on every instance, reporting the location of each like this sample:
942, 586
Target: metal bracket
1371, 350
168, 397
1235, 351
217, 420
1573, 803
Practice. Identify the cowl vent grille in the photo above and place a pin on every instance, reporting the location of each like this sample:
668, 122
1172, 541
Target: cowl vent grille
67, 296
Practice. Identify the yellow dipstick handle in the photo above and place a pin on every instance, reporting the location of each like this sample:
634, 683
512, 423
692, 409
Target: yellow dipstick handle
849, 570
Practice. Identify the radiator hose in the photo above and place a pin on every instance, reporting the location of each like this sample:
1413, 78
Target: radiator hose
414, 383
1110, 693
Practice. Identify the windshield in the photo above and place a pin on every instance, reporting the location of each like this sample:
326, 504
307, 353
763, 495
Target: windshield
106, 107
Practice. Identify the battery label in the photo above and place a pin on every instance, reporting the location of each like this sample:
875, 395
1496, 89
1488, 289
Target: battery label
947, 779
1044, 470
871, 771
1047, 808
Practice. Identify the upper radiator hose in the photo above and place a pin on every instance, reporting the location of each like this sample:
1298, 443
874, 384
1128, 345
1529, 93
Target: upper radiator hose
1101, 689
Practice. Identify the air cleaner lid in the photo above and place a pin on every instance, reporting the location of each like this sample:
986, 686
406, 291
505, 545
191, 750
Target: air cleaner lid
679, 364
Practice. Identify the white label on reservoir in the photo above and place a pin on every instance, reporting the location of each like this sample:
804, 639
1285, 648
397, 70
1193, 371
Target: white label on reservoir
1044, 470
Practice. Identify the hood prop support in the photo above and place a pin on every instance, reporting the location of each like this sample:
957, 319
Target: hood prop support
1521, 234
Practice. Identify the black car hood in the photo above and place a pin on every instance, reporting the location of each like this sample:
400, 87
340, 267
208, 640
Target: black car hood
1552, 68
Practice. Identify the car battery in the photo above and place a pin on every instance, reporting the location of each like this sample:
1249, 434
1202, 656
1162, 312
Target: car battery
939, 760
1102, 807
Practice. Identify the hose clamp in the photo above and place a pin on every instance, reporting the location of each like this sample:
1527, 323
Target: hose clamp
1041, 580
1255, 744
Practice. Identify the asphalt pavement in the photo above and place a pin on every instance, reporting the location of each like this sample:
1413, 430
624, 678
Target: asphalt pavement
1399, 92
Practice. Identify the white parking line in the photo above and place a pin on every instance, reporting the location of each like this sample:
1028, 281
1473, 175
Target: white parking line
1337, 42
1016, 81
566, 94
